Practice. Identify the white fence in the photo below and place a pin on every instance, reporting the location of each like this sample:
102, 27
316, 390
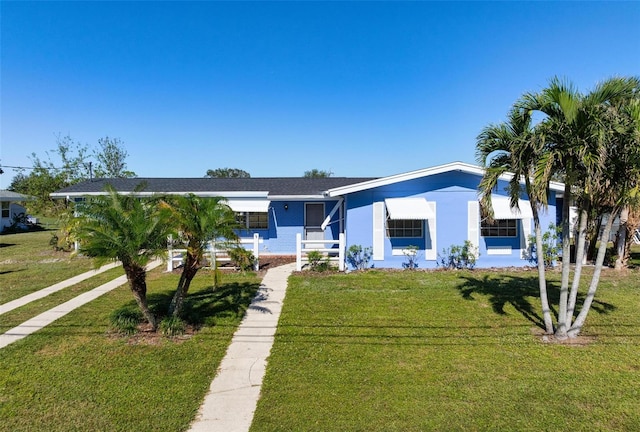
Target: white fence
334, 254
215, 255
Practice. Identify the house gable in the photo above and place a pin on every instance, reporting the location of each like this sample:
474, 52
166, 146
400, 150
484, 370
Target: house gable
454, 167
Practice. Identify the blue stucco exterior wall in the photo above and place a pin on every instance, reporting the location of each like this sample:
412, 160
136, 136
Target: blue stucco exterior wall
284, 224
451, 192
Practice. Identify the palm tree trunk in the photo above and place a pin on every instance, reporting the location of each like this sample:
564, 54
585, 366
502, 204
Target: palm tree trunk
582, 236
622, 239
593, 240
191, 267
595, 279
542, 281
561, 331
137, 278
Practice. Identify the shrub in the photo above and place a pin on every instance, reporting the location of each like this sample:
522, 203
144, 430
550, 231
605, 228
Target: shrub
358, 257
172, 326
125, 321
459, 257
242, 258
318, 262
19, 224
550, 246
411, 257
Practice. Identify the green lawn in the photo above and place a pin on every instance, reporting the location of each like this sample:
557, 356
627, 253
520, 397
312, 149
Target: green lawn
374, 351
28, 263
414, 351
74, 375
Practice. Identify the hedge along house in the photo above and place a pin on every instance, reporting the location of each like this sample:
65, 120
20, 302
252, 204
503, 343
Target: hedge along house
11, 206
430, 209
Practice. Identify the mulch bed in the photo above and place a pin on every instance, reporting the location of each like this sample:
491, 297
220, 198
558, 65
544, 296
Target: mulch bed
266, 262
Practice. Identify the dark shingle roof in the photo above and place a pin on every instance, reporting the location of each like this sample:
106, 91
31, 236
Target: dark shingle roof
273, 185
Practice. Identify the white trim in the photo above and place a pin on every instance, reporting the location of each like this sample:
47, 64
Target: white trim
454, 166
524, 238
431, 254
498, 250
502, 208
401, 251
228, 194
300, 198
409, 208
248, 205
378, 230
331, 213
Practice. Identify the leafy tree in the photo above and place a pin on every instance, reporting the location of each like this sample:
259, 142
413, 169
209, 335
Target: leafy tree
67, 164
39, 183
125, 228
197, 221
316, 173
111, 158
227, 173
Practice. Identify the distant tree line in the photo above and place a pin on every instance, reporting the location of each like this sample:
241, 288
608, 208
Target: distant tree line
239, 173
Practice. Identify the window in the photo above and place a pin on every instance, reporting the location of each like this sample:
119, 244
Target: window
5, 209
253, 220
499, 228
404, 228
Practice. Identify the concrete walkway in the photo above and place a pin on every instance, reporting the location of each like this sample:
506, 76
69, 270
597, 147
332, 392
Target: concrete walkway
233, 396
46, 318
9, 306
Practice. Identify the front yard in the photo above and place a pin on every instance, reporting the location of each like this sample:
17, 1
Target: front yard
412, 351
76, 375
372, 351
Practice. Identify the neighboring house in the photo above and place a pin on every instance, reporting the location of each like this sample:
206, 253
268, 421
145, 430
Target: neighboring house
10, 205
432, 209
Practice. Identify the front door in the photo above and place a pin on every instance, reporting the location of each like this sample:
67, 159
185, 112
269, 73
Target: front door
313, 218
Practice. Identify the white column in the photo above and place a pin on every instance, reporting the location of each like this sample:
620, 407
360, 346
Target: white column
298, 252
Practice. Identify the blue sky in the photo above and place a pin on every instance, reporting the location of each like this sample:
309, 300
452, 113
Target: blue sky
278, 88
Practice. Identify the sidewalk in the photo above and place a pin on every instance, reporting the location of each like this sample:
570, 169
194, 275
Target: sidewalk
14, 304
46, 318
233, 396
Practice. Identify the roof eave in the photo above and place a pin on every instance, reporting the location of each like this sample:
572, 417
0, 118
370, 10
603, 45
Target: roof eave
440, 169
204, 194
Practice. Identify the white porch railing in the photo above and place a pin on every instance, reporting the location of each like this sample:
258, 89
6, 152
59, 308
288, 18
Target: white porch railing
215, 255
334, 254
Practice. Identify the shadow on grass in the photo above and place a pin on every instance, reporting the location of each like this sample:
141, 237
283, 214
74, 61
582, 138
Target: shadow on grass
206, 305
232, 299
522, 293
11, 271
4, 245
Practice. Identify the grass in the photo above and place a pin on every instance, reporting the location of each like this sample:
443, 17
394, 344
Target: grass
414, 351
74, 375
22, 314
374, 351
28, 263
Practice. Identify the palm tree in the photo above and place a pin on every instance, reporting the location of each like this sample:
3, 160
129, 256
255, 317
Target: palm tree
511, 147
619, 184
575, 131
125, 228
197, 221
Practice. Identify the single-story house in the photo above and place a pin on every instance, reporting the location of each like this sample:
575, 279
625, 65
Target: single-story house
431, 209
10, 206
